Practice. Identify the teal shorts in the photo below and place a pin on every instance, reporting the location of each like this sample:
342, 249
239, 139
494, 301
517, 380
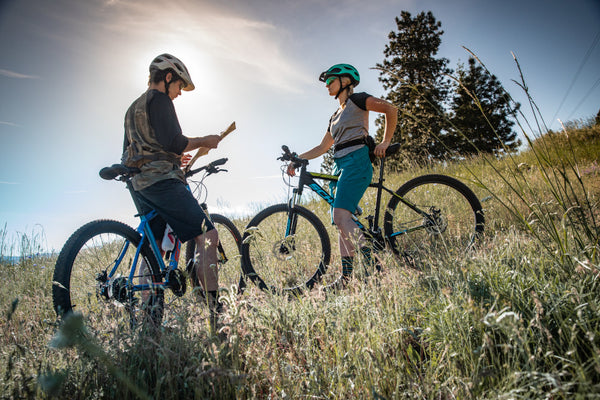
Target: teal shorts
355, 171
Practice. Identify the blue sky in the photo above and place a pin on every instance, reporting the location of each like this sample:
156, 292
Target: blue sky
69, 69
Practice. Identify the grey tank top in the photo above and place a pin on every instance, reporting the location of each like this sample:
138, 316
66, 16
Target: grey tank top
349, 123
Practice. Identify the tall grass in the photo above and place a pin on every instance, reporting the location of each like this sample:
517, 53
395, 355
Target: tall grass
22, 244
519, 317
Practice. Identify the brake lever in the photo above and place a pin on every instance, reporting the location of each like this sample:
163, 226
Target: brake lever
215, 170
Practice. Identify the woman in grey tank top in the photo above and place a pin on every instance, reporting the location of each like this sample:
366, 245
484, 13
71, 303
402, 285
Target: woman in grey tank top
347, 128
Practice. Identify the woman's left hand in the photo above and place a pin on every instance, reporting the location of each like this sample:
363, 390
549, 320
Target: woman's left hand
291, 169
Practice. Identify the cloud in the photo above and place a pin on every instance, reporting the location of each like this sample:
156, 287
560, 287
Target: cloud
9, 183
9, 123
241, 46
17, 75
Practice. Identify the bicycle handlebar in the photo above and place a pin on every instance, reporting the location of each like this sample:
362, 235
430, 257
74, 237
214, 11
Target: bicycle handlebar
292, 157
211, 168
122, 172
299, 162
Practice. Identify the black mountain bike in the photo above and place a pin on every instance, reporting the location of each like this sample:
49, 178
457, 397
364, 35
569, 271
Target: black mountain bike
112, 273
286, 247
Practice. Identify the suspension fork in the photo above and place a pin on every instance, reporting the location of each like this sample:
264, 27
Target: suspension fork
290, 229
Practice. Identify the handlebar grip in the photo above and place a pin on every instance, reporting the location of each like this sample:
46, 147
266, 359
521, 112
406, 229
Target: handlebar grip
296, 161
108, 173
220, 161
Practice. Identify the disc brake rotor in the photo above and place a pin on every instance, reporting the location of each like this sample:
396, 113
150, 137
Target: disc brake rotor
436, 223
284, 249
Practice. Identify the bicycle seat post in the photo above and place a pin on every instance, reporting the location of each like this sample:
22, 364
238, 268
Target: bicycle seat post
380, 180
134, 197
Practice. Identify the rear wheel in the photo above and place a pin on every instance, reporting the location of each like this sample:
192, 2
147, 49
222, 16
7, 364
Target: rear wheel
92, 277
450, 222
285, 251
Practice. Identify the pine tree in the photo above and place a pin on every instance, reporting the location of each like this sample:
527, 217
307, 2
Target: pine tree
328, 163
417, 85
481, 114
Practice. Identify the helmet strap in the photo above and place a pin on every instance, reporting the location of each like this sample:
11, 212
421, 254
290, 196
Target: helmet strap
341, 88
168, 83
167, 86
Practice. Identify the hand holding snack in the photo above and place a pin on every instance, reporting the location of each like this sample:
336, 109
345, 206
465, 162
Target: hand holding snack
204, 150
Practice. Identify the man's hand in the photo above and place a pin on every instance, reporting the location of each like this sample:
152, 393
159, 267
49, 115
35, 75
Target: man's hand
211, 141
185, 159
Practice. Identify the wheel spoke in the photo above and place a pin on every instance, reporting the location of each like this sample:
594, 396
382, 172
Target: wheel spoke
92, 282
453, 220
288, 263
228, 253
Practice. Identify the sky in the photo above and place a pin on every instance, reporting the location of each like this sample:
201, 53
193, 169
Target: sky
69, 70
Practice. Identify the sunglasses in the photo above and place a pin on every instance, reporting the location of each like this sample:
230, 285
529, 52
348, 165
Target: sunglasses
330, 80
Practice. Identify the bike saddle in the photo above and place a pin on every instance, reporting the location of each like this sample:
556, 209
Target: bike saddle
115, 170
392, 149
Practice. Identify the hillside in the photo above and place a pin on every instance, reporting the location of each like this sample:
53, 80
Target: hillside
519, 317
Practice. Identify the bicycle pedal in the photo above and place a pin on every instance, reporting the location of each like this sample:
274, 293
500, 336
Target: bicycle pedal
176, 282
409, 260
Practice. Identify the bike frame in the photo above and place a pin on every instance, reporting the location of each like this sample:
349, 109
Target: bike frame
307, 178
146, 234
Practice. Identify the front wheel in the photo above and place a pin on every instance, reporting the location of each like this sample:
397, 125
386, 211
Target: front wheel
93, 277
443, 216
228, 253
285, 250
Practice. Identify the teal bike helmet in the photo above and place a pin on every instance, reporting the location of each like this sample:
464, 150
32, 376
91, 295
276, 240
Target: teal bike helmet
341, 70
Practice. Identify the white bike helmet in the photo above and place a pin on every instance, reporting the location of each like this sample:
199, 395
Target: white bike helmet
169, 62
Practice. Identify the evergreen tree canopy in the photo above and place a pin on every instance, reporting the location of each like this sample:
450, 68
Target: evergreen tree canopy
328, 163
417, 85
481, 114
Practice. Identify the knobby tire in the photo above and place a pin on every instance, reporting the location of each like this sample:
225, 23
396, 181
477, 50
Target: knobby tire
459, 220
283, 264
87, 254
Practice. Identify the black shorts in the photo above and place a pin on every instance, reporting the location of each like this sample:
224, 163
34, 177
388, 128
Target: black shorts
176, 206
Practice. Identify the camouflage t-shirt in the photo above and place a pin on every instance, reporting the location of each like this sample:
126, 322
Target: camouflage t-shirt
165, 127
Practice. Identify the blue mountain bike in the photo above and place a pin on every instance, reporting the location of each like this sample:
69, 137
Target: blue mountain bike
112, 273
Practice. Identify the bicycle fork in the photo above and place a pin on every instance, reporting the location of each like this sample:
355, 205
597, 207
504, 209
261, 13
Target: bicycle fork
288, 245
